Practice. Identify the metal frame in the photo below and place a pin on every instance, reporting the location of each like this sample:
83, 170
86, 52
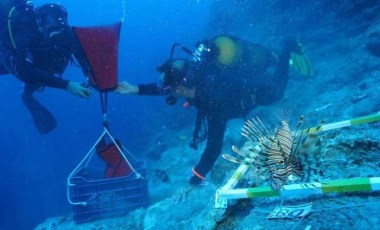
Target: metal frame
229, 192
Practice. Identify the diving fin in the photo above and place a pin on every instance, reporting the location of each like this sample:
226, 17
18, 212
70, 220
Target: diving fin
42, 118
301, 63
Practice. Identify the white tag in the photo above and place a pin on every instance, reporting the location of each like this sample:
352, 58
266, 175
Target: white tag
290, 211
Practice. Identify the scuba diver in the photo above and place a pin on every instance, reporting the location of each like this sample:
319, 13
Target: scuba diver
36, 46
227, 78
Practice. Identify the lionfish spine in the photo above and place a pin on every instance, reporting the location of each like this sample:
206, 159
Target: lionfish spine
237, 160
300, 136
249, 137
240, 153
251, 133
263, 126
253, 130
259, 127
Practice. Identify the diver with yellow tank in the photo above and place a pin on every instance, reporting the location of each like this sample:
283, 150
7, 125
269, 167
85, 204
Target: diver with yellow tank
230, 52
226, 78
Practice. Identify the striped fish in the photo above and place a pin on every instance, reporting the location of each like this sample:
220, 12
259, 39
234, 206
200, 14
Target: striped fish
279, 154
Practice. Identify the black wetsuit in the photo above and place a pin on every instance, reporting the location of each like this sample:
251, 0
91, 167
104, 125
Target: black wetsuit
221, 95
42, 64
38, 62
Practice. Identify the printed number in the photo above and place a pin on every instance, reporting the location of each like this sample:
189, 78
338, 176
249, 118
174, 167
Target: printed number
290, 213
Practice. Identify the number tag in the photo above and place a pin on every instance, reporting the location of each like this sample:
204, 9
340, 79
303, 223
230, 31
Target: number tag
290, 211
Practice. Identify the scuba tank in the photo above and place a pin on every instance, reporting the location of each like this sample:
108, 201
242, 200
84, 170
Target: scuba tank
14, 14
225, 52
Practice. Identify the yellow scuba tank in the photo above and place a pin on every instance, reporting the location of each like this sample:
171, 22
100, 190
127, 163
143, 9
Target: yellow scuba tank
234, 52
229, 50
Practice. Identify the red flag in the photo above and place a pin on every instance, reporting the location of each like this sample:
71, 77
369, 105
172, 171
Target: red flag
100, 45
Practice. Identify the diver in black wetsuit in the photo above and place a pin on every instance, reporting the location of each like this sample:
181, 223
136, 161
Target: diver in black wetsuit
231, 79
36, 47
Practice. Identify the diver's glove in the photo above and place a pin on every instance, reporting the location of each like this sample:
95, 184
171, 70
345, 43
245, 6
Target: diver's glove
127, 88
78, 89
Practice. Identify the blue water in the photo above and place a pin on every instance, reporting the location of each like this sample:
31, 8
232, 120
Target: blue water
34, 168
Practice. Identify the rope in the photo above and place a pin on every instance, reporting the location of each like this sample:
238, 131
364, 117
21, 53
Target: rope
10, 27
88, 158
104, 104
138, 175
85, 162
129, 153
124, 9
298, 222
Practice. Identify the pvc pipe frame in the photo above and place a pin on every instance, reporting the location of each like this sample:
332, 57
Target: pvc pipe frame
227, 192
300, 190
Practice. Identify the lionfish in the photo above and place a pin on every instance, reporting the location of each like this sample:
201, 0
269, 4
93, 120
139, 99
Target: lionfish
280, 154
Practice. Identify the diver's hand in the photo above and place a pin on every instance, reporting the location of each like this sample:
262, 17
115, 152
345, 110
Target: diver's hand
78, 89
126, 88
181, 194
